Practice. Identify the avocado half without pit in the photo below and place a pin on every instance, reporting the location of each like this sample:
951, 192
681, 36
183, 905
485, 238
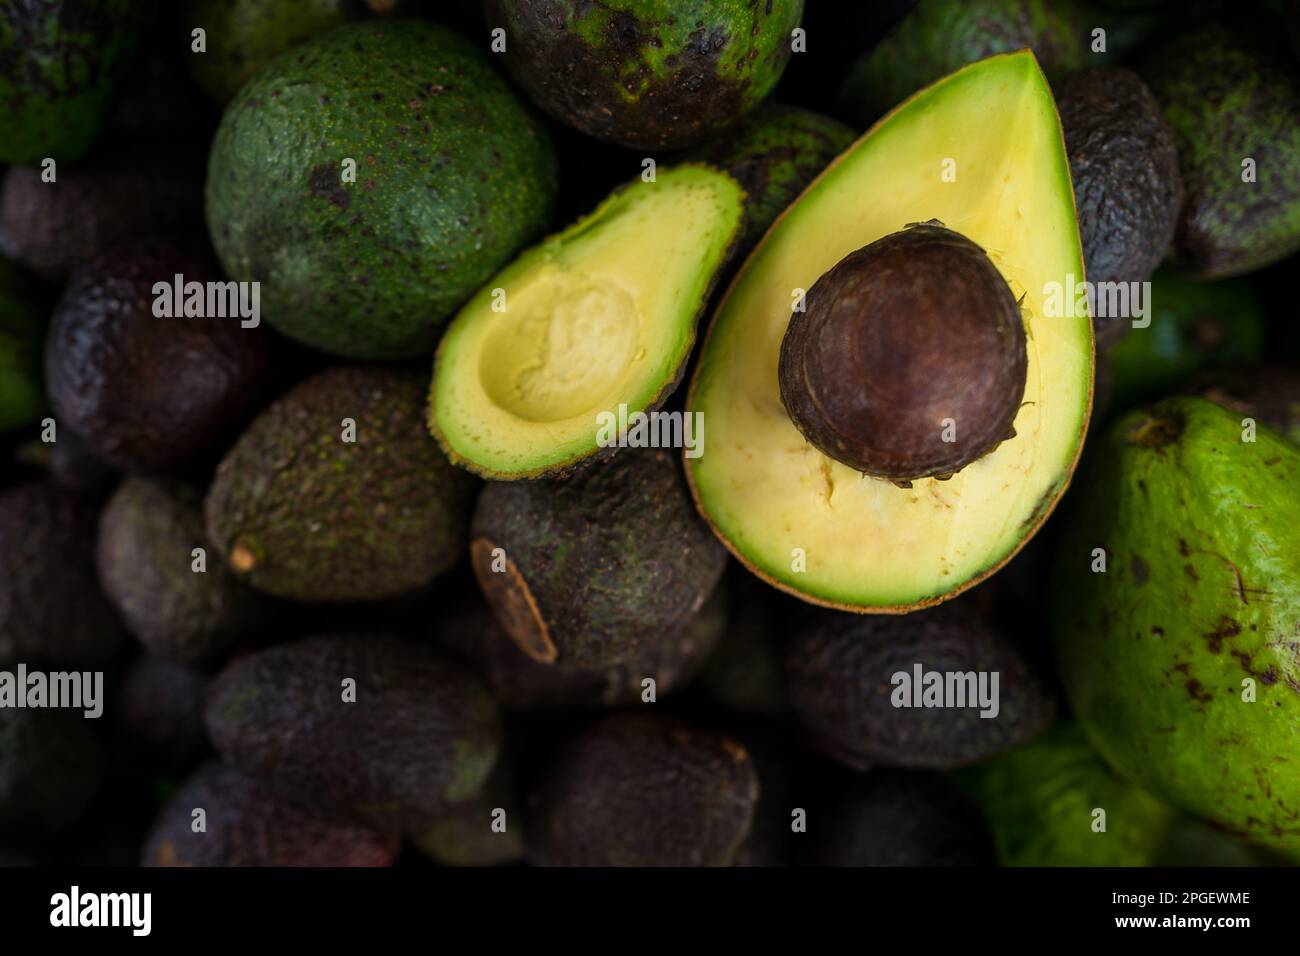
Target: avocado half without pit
908, 359
893, 398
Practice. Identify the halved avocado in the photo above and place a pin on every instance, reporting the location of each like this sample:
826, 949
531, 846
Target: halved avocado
818, 528
598, 316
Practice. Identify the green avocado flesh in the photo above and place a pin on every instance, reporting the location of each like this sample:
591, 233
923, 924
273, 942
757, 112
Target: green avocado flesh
817, 528
1180, 659
597, 318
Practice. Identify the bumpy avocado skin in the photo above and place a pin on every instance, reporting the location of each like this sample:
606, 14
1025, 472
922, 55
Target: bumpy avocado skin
939, 36
21, 331
1040, 799
1194, 325
249, 824
611, 557
1229, 99
301, 513
60, 66
646, 74
773, 153
453, 174
243, 36
639, 789
52, 762
147, 534
1196, 610
421, 735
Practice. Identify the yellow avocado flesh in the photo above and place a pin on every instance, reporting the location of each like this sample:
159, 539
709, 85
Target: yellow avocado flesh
598, 316
980, 151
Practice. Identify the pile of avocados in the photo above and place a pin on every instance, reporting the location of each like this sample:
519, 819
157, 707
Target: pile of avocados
649, 433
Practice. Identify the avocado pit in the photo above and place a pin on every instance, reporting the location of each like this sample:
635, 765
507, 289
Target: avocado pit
909, 358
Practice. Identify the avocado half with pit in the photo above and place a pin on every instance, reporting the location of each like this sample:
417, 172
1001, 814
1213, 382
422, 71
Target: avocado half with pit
897, 384
590, 326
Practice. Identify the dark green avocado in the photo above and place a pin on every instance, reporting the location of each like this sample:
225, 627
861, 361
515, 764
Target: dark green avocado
453, 174
646, 74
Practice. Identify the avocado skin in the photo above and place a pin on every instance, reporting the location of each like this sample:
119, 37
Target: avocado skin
454, 174
60, 66
149, 393
1039, 801
613, 556
117, 195
250, 824
1201, 592
838, 671
521, 684
243, 36
158, 713
773, 153
1194, 325
1228, 98
331, 521
902, 818
636, 789
1127, 187
1268, 393
22, 328
147, 533
52, 764
51, 608
421, 736
646, 74
939, 37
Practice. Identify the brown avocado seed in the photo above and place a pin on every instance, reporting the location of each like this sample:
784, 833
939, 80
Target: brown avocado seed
909, 358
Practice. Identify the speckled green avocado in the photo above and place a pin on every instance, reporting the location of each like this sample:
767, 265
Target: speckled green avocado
60, 65
1041, 800
452, 175
21, 337
647, 74
1180, 659
774, 153
1229, 99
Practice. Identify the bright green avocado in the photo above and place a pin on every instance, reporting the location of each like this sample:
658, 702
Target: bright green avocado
816, 527
544, 367
1180, 658
21, 334
1042, 801
371, 179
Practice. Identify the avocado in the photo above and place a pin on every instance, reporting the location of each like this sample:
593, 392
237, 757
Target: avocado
51, 607
1194, 326
938, 37
60, 65
148, 532
522, 684
901, 818
773, 153
243, 36
118, 195
1042, 801
799, 517
1176, 659
1127, 186
399, 733
247, 823
938, 689
592, 571
639, 789
646, 74
336, 492
471, 834
52, 763
548, 364
371, 179
1269, 394
1236, 217
158, 710
22, 327
150, 393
